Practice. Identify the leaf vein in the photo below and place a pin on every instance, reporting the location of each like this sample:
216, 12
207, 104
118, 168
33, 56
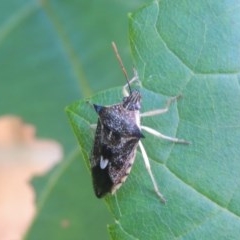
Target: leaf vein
201, 194
69, 51
167, 47
127, 233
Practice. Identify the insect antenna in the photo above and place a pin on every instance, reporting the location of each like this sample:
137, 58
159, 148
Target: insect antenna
121, 65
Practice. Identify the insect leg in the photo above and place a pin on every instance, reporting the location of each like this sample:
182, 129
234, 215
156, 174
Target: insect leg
148, 167
93, 126
160, 111
160, 135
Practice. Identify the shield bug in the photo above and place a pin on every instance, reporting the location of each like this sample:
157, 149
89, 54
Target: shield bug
118, 134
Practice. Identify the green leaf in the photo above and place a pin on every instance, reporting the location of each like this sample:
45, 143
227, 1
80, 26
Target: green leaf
192, 49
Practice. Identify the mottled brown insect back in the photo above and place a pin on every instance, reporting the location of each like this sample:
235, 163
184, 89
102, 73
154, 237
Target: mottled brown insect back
117, 136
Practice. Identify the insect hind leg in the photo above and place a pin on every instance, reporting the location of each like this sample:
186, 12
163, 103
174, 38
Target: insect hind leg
148, 167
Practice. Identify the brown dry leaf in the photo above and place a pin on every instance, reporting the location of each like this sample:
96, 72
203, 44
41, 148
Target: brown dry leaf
22, 156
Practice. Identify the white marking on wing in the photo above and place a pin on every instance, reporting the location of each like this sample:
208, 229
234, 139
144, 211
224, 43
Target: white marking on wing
103, 163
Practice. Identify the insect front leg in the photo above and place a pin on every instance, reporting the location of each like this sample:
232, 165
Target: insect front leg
93, 126
148, 167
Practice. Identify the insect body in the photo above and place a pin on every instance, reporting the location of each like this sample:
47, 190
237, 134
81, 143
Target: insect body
117, 136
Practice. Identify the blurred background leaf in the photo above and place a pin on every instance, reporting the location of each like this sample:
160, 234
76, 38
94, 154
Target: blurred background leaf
51, 54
